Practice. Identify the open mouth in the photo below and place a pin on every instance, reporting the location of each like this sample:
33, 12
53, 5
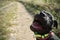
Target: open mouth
36, 25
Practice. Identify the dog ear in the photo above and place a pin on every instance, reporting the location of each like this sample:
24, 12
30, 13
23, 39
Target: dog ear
55, 24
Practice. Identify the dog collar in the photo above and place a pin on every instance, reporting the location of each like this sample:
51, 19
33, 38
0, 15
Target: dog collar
40, 36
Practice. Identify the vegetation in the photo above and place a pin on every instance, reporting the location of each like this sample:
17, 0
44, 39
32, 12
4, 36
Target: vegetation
33, 6
6, 16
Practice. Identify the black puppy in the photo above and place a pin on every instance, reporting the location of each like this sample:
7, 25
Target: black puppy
42, 25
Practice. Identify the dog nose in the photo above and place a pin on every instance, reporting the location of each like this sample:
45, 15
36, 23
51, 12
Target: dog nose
44, 13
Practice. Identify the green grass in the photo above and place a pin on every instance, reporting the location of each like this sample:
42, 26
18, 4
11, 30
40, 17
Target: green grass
3, 3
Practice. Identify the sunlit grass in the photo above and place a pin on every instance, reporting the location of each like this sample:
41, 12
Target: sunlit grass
6, 17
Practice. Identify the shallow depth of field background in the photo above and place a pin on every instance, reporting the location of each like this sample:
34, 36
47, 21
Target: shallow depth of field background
16, 16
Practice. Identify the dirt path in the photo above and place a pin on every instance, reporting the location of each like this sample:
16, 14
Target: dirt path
22, 29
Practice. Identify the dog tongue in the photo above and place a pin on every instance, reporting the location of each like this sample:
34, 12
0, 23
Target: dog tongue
36, 26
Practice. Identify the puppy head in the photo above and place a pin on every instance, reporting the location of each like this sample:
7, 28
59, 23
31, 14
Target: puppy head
43, 22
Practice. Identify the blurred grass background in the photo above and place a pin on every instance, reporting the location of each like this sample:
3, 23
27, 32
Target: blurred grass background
52, 6
33, 6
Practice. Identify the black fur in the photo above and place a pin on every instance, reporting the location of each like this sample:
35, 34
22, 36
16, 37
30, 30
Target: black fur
45, 21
